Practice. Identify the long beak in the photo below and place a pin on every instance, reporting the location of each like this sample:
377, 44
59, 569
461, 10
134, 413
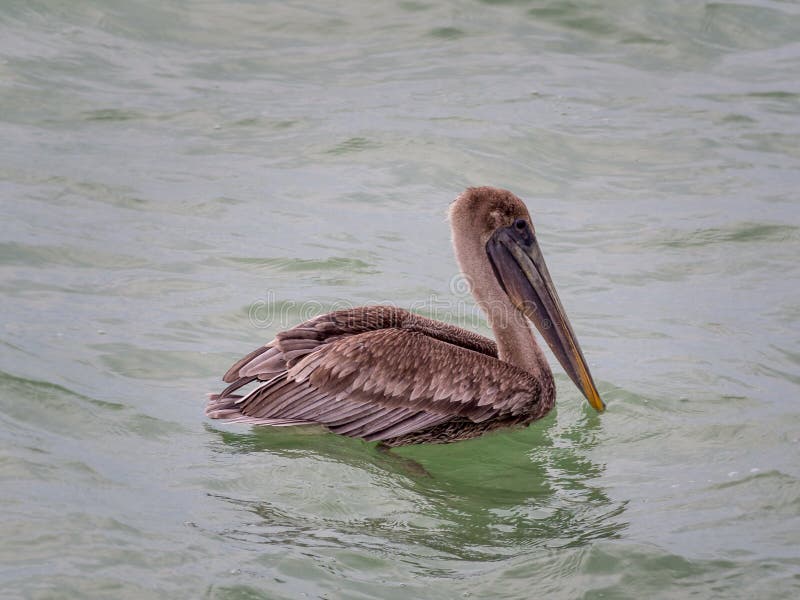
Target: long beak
521, 271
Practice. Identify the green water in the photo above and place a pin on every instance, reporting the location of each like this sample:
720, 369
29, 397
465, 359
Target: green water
181, 180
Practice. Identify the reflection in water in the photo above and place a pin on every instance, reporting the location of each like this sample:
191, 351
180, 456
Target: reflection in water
485, 499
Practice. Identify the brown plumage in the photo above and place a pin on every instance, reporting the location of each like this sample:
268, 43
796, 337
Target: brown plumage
384, 373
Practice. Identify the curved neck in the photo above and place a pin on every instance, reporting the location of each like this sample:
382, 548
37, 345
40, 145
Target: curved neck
516, 343
515, 340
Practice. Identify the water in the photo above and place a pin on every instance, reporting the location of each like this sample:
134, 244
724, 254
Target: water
180, 180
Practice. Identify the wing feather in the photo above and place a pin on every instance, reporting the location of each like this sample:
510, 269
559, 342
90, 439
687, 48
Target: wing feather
378, 373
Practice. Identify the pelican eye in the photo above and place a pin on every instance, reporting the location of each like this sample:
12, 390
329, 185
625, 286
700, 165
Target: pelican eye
520, 224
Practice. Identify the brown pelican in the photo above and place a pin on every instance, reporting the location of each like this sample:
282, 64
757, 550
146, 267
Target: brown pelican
383, 373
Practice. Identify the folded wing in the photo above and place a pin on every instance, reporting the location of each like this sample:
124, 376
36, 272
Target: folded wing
377, 373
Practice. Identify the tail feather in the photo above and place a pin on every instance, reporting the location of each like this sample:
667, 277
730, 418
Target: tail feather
227, 409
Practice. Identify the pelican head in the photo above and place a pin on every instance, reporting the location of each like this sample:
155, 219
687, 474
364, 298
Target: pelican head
495, 244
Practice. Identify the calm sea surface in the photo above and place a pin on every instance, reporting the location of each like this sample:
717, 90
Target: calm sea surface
179, 180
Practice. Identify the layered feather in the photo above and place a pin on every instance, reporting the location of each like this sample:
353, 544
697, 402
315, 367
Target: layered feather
381, 373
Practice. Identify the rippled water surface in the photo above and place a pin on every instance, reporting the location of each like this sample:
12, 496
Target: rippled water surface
180, 180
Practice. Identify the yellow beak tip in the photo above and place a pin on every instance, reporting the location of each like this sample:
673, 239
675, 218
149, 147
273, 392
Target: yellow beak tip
597, 403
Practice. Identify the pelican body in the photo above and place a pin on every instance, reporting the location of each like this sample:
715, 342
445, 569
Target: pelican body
383, 373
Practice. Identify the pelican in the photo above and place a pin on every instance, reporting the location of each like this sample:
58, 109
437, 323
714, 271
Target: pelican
385, 374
